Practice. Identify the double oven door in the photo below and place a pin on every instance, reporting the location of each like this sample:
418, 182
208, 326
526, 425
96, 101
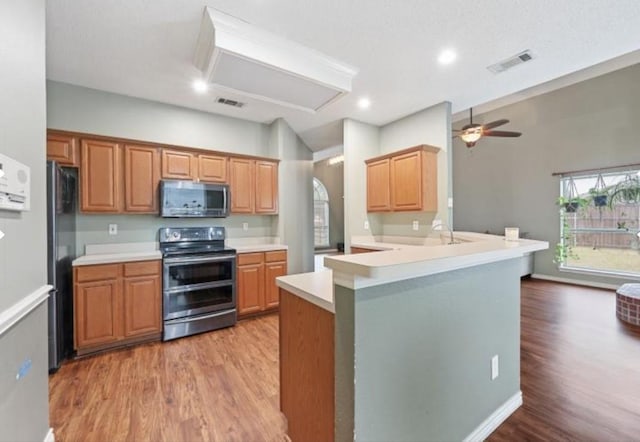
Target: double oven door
198, 284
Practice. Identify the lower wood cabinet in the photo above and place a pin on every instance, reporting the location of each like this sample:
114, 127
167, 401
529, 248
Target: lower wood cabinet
116, 304
256, 276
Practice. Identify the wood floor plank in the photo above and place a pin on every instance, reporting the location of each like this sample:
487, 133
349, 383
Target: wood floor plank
580, 377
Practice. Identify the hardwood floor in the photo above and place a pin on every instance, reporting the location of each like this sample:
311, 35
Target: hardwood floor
220, 386
580, 380
580, 368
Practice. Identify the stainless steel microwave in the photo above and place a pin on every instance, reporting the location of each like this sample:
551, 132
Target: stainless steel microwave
187, 199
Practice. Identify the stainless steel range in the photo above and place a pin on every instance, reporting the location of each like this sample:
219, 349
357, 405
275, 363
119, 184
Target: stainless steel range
199, 281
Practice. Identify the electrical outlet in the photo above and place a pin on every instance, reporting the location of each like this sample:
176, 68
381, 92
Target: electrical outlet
245, 226
450, 203
495, 367
113, 229
416, 225
366, 225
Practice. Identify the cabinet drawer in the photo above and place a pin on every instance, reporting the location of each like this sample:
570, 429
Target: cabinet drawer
142, 268
97, 272
250, 258
275, 256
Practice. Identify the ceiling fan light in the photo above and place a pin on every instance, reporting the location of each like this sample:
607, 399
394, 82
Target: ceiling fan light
471, 136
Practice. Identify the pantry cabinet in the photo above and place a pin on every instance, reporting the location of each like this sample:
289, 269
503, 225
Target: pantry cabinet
403, 181
116, 305
256, 276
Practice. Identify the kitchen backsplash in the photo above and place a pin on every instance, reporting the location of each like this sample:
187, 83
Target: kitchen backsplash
94, 229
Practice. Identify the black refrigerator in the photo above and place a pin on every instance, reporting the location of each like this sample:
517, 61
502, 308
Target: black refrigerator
61, 251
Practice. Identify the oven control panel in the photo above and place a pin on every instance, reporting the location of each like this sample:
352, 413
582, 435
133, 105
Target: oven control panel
177, 234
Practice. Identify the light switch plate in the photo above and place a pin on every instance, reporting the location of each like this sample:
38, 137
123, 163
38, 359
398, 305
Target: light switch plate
366, 225
495, 367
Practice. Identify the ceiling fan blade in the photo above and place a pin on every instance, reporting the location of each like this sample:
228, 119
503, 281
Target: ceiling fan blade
501, 133
494, 124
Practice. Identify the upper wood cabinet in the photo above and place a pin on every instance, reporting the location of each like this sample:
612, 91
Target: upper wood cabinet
184, 165
141, 178
100, 176
179, 165
63, 149
378, 189
115, 179
410, 179
254, 186
212, 168
266, 191
242, 185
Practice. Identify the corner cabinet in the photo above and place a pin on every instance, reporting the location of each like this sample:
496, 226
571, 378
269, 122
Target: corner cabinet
254, 186
116, 305
256, 275
404, 181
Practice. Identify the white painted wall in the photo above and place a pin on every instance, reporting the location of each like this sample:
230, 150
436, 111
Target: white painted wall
24, 409
294, 223
429, 126
363, 141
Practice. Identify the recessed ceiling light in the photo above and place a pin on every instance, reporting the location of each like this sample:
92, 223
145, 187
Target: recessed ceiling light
447, 56
364, 103
200, 86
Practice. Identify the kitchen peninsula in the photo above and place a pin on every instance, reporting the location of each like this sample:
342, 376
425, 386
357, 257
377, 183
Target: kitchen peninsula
415, 342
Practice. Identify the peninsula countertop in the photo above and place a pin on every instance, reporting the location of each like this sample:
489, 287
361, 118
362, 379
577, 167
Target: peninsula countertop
396, 262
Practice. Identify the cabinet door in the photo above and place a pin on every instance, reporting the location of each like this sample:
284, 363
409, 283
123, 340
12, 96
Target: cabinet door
100, 176
212, 168
250, 288
63, 149
97, 313
179, 165
272, 293
266, 199
241, 184
141, 178
142, 306
406, 182
378, 190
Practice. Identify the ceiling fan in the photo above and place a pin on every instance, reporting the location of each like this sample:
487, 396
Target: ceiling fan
472, 132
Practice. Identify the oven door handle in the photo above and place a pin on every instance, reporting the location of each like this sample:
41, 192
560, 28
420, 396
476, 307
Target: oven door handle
198, 317
191, 260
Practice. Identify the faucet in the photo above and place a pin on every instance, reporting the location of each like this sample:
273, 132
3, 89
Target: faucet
448, 227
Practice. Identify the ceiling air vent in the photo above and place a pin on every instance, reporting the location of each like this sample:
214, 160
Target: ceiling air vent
229, 102
510, 62
250, 62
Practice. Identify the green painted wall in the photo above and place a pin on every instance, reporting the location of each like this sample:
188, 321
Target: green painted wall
422, 353
507, 181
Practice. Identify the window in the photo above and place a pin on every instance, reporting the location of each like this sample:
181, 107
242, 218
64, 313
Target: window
603, 234
320, 214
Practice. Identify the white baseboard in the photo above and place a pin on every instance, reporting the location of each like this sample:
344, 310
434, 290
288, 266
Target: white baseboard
598, 285
22, 308
495, 419
50, 437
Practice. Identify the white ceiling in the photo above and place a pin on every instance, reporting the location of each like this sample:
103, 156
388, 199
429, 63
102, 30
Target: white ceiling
144, 48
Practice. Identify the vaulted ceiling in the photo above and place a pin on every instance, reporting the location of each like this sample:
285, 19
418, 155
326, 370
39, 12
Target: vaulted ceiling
145, 48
